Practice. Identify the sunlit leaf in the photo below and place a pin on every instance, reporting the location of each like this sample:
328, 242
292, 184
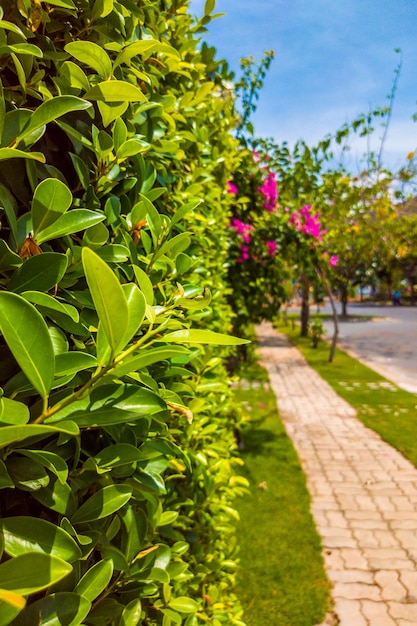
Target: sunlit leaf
26, 334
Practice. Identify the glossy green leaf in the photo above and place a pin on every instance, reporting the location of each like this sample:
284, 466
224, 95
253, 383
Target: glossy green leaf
137, 308
180, 242
14, 434
51, 199
51, 304
50, 460
14, 153
115, 91
150, 356
131, 614
24, 534
57, 609
8, 258
13, 412
66, 4
108, 296
73, 362
112, 404
26, 334
50, 110
102, 504
130, 148
184, 210
183, 604
32, 572
74, 75
92, 55
57, 497
117, 455
11, 604
95, 580
203, 337
26, 475
145, 284
111, 111
71, 222
146, 47
5, 480
40, 272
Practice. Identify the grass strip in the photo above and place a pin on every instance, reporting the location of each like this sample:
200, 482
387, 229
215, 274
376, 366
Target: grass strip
380, 404
281, 581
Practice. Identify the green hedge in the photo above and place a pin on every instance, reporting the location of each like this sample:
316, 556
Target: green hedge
116, 420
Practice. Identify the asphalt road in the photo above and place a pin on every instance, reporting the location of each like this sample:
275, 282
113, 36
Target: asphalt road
388, 343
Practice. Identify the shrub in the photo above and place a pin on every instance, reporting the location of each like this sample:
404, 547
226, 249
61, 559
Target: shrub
116, 427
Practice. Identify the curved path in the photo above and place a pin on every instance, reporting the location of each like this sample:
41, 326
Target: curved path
363, 491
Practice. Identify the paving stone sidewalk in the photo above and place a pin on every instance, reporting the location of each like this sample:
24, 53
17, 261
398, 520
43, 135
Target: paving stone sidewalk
364, 493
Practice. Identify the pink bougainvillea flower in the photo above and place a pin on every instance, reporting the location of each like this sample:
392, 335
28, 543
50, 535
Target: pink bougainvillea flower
231, 187
270, 191
271, 247
333, 261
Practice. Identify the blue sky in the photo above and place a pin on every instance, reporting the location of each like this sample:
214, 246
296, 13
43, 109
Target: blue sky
334, 59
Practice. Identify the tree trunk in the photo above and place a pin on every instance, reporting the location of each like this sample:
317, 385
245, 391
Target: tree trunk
411, 283
344, 299
305, 305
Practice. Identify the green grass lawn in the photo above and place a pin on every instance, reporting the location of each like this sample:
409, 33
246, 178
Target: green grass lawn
281, 581
380, 404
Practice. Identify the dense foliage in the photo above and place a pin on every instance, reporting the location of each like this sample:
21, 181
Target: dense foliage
116, 427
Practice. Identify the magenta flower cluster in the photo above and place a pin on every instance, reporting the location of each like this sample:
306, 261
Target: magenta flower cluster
242, 229
231, 188
269, 189
306, 222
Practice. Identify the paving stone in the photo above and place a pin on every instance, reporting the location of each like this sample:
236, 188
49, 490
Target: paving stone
352, 576
377, 613
356, 591
401, 610
391, 588
349, 612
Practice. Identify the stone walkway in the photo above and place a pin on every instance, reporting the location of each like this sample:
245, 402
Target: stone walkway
363, 491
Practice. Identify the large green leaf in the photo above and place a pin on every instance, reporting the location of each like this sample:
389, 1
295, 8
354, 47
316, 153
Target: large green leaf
115, 91
92, 55
148, 357
137, 308
144, 283
14, 434
108, 297
27, 336
50, 110
131, 613
102, 504
8, 258
51, 304
11, 604
111, 404
50, 460
72, 362
95, 580
183, 604
39, 273
14, 153
32, 572
24, 534
57, 609
202, 336
51, 199
13, 412
71, 222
